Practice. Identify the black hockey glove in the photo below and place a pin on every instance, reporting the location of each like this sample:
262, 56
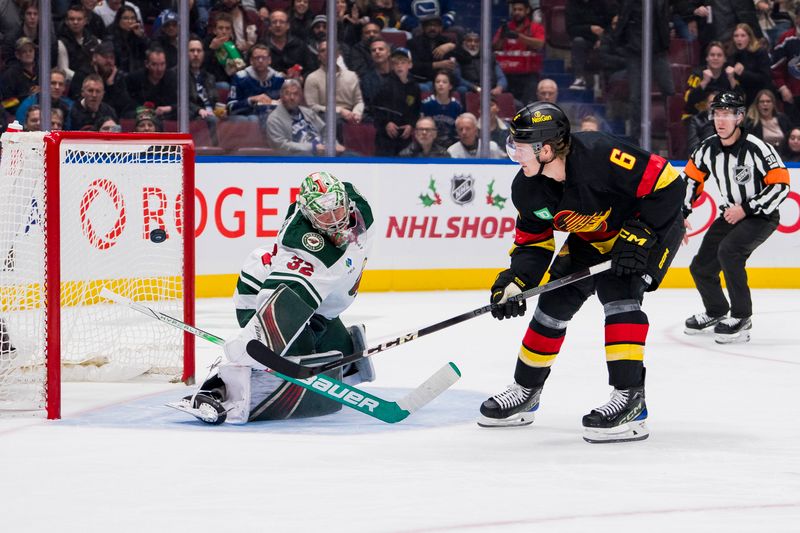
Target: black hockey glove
632, 248
505, 286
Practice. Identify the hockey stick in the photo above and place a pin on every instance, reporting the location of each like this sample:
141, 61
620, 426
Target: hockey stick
335, 390
280, 364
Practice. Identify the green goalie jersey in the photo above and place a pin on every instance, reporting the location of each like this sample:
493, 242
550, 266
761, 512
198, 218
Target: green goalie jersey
324, 276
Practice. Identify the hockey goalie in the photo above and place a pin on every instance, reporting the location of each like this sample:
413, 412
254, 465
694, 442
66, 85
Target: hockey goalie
289, 297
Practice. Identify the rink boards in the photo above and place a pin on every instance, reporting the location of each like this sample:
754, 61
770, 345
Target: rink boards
441, 224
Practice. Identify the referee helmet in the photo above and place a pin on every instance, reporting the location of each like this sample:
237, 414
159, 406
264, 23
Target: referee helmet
728, 100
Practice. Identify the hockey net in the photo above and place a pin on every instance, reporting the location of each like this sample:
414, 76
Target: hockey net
79, 212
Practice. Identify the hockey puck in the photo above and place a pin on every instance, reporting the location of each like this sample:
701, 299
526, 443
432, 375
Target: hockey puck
158, 235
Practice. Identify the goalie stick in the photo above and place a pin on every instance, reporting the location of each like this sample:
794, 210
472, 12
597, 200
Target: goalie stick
348, 395
280, 364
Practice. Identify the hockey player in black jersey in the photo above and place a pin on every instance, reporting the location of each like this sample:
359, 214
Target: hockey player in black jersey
615, 201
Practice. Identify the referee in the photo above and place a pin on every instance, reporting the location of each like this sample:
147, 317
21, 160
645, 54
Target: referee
753, 181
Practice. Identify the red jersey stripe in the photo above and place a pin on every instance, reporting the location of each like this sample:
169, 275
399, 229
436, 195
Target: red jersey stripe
652, 171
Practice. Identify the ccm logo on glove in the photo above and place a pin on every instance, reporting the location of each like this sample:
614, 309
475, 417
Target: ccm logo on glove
631, 250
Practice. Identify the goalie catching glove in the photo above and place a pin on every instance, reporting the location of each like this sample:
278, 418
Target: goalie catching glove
632, 248
507, 285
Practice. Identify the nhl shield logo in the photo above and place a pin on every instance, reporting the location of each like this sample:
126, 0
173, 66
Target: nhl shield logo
742, 174
462, 189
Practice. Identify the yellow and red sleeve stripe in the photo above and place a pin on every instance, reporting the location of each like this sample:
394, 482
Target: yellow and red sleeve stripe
657, 174
543, 240
523, 238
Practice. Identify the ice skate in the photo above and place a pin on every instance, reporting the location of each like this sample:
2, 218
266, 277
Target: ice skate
701, 322
515, 406
206, 408
733, 330
621, 419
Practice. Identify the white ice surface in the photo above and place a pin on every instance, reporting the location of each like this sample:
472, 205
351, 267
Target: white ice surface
723, 455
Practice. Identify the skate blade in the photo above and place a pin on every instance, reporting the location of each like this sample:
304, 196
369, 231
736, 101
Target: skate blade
743, 336
205, 413
517, 420
704, 331
632, 431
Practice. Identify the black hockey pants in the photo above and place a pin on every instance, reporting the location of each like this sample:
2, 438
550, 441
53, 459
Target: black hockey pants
726, 248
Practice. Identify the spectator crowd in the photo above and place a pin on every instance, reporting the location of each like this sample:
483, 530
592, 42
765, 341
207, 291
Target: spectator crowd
407, 80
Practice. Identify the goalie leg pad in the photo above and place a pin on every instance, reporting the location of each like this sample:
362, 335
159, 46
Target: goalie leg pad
362, 371
275, 399
277, 323
237, 396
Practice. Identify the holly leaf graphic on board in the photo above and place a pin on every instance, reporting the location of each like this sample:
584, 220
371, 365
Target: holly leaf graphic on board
495, 199
427, 199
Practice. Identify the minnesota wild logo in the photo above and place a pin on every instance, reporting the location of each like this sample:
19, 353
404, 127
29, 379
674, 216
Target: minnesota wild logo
313, 241
427, 199
495, 200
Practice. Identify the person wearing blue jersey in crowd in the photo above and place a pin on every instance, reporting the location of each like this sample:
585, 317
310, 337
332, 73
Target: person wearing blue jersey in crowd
256, 89
443, 108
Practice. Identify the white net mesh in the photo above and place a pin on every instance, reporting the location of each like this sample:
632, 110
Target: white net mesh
22, 259
113, 195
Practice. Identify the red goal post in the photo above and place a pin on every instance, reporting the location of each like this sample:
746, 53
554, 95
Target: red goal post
80, 211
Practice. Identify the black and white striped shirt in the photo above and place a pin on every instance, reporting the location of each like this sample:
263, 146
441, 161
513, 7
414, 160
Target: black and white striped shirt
749, 173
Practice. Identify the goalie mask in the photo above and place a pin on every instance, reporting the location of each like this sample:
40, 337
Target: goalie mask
324, 202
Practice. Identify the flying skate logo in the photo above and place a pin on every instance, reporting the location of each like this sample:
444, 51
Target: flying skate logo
462, 189
573, 222
341, 393
742, 174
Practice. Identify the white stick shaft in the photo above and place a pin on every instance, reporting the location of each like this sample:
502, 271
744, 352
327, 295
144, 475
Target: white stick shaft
114, 297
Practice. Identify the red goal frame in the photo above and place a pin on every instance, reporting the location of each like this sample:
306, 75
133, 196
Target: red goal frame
52, 227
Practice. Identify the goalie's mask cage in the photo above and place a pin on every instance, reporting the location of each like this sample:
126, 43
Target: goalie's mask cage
323, 200
80, 211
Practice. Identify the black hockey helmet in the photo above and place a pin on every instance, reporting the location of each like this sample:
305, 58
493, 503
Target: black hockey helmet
540, 123
728, 100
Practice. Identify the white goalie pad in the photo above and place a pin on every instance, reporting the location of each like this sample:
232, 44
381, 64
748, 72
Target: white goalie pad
237, 392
